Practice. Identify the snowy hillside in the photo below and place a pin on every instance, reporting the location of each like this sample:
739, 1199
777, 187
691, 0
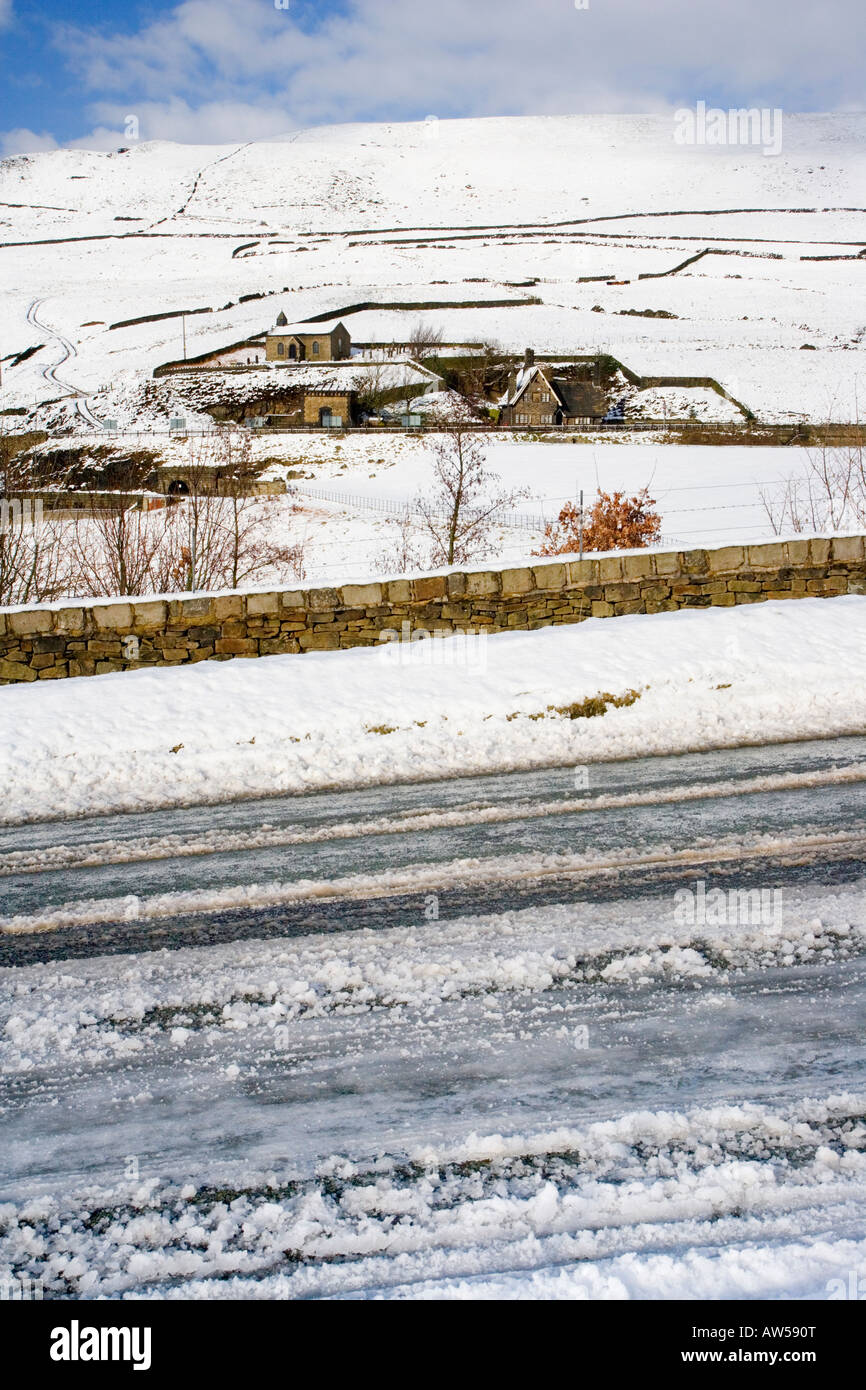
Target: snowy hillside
464, 211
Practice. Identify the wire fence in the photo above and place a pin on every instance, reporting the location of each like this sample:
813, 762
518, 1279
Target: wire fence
395, 507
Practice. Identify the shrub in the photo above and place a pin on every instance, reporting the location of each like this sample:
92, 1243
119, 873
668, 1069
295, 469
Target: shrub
615, 522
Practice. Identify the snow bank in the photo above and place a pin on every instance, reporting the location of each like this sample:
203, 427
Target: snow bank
222, 731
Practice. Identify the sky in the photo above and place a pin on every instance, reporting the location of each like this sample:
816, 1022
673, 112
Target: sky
226, 71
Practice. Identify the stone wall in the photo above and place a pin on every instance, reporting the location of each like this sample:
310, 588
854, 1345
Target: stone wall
52, 642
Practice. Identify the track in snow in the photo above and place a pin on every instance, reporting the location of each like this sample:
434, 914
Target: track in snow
69, 351
540, 1089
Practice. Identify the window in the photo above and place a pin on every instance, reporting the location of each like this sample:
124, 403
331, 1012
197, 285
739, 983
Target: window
281, 349
315, 348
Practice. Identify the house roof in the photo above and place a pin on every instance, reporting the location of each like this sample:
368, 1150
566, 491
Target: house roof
580, 398
524, 377
574, 397
309, 330
348, 375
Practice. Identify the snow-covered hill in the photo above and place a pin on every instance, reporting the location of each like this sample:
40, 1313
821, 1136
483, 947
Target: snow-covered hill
442, 211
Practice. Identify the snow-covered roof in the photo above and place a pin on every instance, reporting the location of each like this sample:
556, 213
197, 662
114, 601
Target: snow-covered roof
524, 377
309, 330
575, 397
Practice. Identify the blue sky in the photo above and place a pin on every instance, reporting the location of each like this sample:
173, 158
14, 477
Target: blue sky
232, 70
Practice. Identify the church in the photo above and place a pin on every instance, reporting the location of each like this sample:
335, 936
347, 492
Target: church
325, 341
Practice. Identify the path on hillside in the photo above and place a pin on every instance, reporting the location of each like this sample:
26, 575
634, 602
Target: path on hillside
69, 351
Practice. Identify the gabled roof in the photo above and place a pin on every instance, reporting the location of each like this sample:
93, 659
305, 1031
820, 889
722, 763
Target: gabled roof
573, 397
581, 398
524, 377
308, 330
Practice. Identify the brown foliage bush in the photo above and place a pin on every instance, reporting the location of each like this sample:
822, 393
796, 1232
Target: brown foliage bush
614, 522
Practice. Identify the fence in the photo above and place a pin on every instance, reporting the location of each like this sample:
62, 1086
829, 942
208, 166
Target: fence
392, 506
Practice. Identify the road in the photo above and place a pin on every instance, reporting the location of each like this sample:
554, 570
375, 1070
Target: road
49, 373
446, 1038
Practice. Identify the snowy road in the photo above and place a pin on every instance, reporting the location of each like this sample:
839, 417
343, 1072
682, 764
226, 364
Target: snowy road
452, 1039
49, 373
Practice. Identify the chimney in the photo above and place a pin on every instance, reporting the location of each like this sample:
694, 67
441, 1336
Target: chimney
528, 358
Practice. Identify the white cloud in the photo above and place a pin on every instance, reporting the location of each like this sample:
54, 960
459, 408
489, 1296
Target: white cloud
242, 69
23, 141
5, 12
227, 122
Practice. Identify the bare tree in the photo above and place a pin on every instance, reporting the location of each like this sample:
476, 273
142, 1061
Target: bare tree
375, 388
31, 556
116, 550
223, 530
829, 496
424, 341
404, 549
460, 511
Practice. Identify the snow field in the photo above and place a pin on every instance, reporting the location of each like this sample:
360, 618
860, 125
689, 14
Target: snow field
220, 731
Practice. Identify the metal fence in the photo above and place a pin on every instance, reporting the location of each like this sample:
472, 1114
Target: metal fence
392, 506
790, 433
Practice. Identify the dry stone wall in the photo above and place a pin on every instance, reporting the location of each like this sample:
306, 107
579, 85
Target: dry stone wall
49, 643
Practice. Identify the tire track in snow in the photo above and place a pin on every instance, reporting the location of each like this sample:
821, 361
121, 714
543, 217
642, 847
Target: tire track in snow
49, 373
511, 870
150, 848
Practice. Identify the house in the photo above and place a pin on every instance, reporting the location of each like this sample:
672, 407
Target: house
327, 341
334, 408
539, 399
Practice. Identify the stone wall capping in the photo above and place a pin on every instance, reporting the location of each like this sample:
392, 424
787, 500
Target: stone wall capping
482, 583
261, 605
847, 549
768, 556
323, 599
24, 623
362, 595
149, 614
550, 576
639, 566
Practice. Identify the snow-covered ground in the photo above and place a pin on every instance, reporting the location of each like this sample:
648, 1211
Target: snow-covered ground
407, 711
348, 495
467, 211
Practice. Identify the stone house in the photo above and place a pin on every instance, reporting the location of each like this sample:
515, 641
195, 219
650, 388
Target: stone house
328, 341
538, 399
328, 408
